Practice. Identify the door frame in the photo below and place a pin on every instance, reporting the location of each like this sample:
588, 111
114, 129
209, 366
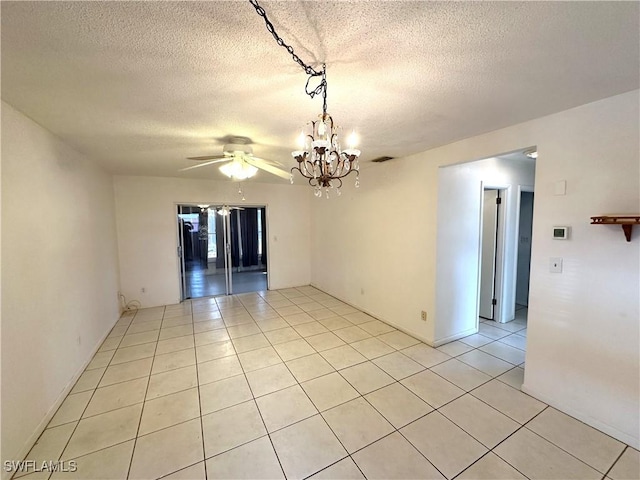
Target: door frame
179, 259
505, 191
530, 189
182, 270
495, 231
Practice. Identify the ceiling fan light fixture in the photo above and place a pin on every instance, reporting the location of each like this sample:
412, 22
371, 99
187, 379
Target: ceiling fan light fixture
238, 170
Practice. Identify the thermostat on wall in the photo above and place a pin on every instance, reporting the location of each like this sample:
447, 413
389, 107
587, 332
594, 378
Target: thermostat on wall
560, 233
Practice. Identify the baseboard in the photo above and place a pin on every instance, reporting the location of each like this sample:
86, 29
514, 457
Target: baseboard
603, 427
377, 317
453, 338
24, 451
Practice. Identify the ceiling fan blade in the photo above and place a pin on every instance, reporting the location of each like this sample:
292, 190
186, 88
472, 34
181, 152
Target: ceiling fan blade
208, 157
268, 168
204, 164
275, 163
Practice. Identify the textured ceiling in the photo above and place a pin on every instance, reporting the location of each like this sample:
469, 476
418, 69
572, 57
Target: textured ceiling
139, 86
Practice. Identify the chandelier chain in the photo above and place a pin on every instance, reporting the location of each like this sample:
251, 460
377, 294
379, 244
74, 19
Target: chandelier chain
322, 88
320, 158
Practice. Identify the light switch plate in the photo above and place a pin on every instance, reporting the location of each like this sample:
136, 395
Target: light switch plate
555, 265
561, 187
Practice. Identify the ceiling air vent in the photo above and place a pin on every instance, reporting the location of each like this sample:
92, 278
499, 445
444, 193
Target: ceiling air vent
382, 159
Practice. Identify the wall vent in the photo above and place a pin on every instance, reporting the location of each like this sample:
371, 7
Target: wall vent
382, 159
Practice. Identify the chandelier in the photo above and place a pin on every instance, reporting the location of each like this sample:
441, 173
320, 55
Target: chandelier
321, 159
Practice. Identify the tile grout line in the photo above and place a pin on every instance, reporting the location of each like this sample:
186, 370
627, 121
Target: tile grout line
616, 461
565, 451
490, 449
370, 360
93, 391
268, 435
195, 353
144, 401
474, 367
435, 409
395, 429
511, 435
298, 383
66, 445
324, 419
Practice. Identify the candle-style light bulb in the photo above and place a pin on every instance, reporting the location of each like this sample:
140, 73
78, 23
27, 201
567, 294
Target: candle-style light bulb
352, 141
322, 128
300, 140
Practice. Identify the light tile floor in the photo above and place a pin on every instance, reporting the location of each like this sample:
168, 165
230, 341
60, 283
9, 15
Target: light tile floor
296, 384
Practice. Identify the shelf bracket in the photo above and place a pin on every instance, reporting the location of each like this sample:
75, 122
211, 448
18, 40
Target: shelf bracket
625, 221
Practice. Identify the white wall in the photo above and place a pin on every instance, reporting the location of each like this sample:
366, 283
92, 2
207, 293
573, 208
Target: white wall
59, 273
584, 325
374, 247
460, 189
147, 239
583, 337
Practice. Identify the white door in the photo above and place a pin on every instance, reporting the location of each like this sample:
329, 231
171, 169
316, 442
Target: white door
488, 254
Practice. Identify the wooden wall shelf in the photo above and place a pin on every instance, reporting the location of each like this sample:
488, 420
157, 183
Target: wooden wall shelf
625, 221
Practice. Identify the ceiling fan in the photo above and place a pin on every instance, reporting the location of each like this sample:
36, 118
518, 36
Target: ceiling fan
226, 210
220, 210
239, 162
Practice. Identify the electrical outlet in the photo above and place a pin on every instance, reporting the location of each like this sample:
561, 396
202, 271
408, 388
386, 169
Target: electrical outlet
423, 316
362, 291
143, 290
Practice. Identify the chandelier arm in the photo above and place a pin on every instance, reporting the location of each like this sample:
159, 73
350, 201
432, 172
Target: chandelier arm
339, 167
302, 173
327, 169
307, 172
351, 170
332, 172
311, 170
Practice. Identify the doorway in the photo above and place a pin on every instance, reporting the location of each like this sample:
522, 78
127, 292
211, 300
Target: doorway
490, 237
222, 249
523, 266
